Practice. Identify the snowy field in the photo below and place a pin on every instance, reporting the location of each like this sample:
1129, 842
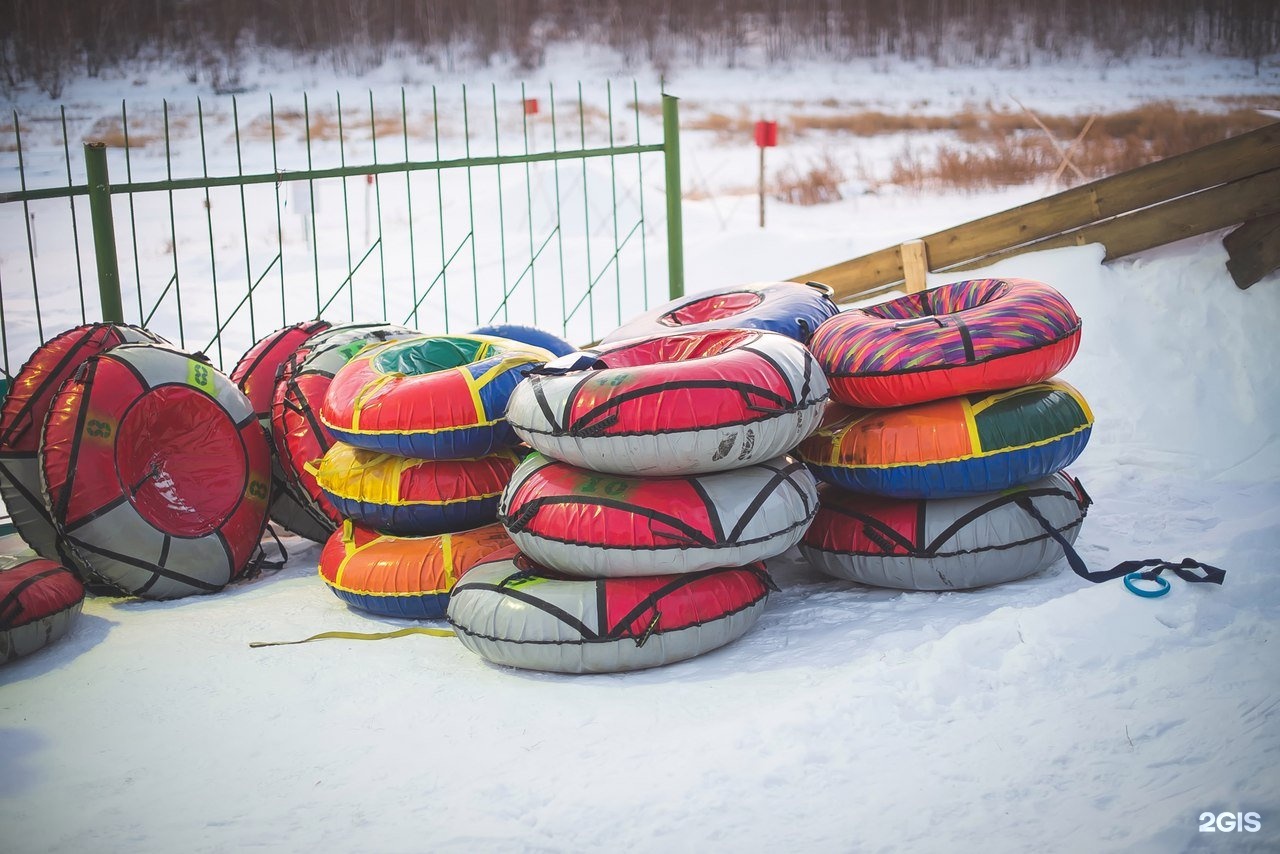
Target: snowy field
1044, 714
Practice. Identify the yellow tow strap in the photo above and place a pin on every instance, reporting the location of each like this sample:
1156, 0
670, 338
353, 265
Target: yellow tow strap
435, 633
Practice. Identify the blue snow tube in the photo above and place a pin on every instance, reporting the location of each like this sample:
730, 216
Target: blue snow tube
527, 335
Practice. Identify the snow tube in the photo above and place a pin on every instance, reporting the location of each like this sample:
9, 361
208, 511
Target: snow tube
553, 344
953, 447
255, 374
407, 577
157, 473
791, 309
965, 337
433, 396
673, 405
39, 602
587, 524
510, 611
403, 495
295, 409
943, 544
23, 415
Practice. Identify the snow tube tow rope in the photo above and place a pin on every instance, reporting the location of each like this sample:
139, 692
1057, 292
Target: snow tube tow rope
295, 409
595, 525
256, 374
943, 544
673, 405
25, 407
510, 611
403, 495
954, 447
40, 601
431, 397
966, 337
788, 308
157, 473
1132, 571
407, 577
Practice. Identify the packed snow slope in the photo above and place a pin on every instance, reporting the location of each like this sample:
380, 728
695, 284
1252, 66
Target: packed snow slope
1047, 714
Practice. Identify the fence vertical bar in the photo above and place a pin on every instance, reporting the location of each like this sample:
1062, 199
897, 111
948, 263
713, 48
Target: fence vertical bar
408, 194
644, 247
377, 196
173, 229
104, 231
586, 219
444, 261
502, 220
528, 198
564, 302
675, 225
311, 199
26, 220
471, 206
275, 167
208, 217
71, 202
346, 216
133, 219
244, 222
613, 190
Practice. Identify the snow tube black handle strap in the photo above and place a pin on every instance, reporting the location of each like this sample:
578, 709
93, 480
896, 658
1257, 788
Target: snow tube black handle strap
1148, 569
570, 364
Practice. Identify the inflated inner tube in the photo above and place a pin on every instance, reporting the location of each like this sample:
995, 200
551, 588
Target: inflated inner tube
946, 543
787, 308
256, 374
157, 472
953, 447
541, 338
403, 495
673, 405
432, 397
510, 611
594, 525
40, 600
966, 337
408, 577
23, 414
303, 380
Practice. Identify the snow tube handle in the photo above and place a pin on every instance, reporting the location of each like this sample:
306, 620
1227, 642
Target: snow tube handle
919, 320
572, 363
826, 290
1130, 581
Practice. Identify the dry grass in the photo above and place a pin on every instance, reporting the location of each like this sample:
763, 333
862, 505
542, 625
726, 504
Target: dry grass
816, 184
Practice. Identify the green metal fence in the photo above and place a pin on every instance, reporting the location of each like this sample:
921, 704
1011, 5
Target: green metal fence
214, 225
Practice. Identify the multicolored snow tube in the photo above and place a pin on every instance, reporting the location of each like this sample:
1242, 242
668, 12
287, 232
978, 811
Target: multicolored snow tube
40, 600
510, 611
433, 396
25, 408
962, 338
946, 543
595, 525
403, 495
953, 447
157, 472
304, 379
788, 308
673, 405
407, 577
256, 374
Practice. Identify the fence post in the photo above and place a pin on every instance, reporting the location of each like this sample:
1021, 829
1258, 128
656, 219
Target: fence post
675, 225
104, 231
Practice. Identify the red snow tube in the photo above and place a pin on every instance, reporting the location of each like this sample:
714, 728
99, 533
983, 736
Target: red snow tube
972, 336
255, 374
157, 472
39, 602
511, 611
674, 405
295, 410
24, 413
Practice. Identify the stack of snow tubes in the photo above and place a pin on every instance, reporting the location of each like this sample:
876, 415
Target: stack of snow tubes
659, 485
942, 454
416, 454
138, 467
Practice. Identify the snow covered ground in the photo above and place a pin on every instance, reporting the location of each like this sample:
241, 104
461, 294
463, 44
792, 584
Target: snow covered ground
1044, 714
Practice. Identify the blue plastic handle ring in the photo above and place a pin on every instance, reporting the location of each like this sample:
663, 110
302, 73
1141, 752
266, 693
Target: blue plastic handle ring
1146, 593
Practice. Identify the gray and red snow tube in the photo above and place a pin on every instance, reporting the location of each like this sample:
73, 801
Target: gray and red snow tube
511, 611
39, 602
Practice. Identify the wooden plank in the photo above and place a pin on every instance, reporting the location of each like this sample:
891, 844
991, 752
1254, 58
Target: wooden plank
1240, 156
915, 264
1208, 210
1253, 250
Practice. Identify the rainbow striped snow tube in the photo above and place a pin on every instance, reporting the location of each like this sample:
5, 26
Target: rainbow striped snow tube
966, 337
948, 448
432, 396
404, 495
408, 577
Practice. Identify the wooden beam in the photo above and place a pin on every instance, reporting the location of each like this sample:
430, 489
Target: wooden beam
915, 264
1187, 216
1253, 250
1222, 162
